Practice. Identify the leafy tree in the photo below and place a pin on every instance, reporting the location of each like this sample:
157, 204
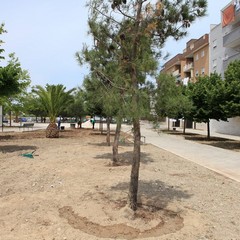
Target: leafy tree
13, 79
166, 96
208, 96
77, 107
137, 31
32, 105
171, 101
92, 96
53, 99
2, 30
232, 78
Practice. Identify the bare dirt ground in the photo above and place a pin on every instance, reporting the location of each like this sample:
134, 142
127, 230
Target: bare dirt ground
69, 190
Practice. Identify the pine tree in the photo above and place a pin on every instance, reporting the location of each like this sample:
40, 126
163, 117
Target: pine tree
138, 31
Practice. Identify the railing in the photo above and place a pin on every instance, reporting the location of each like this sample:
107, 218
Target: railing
188, 67
176, 73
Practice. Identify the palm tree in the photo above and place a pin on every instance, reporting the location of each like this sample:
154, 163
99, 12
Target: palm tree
54, 99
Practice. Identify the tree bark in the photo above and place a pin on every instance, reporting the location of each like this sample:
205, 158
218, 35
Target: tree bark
184, 126
133, 189
115, 158
208, 129
108, 131
10, 118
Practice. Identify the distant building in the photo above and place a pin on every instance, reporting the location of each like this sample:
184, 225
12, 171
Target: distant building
224, 47
188, 65
211, 53
191, 63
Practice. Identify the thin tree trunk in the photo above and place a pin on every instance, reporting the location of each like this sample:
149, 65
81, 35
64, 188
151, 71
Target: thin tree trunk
108, 131
208, 129
101, 125
80, 121
133, 190
184, 126
115, 158
10, 118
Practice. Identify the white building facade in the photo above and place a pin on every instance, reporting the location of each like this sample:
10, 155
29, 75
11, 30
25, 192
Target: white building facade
224, 47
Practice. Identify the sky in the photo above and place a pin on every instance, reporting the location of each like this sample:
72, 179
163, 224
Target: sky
46, 34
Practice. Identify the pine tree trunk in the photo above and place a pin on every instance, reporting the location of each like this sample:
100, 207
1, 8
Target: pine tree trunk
184, 126
133, 190
10, 118
115, 158
52, 130
208, 129
108, 131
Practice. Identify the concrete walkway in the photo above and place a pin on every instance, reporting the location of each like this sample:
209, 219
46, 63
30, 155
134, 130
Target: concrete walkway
225, 162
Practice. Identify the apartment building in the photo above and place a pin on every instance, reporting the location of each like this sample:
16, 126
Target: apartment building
175, 67
191, 63
224, 47
188, 66
211, 53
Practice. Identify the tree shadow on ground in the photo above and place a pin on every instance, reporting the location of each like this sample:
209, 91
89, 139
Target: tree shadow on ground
229, 145
103, 133
155, 193
224, 143
219, 142
125, 158
6, 137
121, 144
16, 148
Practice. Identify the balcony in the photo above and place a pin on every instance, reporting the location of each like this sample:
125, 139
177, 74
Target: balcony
176, 73
232, 39
188, 67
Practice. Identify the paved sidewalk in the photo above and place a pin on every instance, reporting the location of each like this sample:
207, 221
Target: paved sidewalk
225, 162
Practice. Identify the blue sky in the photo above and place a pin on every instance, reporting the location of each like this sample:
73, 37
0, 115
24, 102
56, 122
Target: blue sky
46, 34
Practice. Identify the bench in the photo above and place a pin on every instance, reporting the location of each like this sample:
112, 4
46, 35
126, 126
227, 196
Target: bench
27, 125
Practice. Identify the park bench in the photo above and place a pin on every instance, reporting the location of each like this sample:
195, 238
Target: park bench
27, 125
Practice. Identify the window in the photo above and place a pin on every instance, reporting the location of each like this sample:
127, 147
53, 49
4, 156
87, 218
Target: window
197, 57
202, 53
214, 43
203, 71
214, 63
196, 73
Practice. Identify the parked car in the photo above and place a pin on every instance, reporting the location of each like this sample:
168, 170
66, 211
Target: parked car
22, 119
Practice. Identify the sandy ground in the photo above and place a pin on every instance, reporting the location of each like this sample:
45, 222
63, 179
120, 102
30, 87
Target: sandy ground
69, 191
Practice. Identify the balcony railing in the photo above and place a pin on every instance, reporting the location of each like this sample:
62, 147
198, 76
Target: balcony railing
188, 67
232, 39
176, 73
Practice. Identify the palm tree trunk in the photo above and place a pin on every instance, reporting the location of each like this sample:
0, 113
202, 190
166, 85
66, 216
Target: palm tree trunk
52, 130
